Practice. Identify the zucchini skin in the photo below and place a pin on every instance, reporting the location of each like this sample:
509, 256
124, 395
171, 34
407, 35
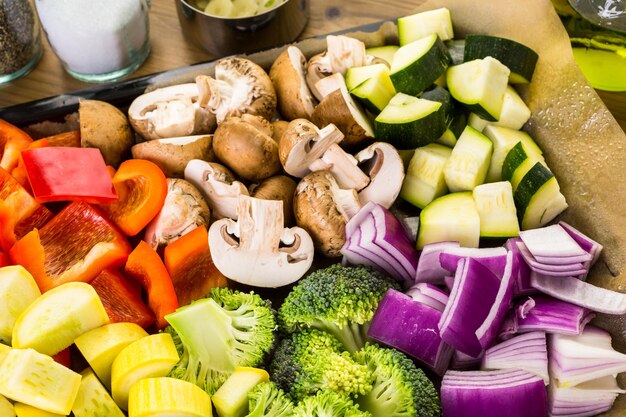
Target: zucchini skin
422, 73
529, 186
412, 134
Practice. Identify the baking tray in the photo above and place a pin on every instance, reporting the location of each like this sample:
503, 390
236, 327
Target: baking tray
582, 142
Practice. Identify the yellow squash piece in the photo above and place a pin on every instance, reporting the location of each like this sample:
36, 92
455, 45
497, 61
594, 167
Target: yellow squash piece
18, 290
55, 319
25, 410
32, 378
231, 399
4, 351
166, 397
93, 399
6, 408
101, 345
149, 357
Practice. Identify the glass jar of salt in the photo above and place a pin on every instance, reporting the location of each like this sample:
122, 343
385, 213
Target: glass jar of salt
97, 40
20, 45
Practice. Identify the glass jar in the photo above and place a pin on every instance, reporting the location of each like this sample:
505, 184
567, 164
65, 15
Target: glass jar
20, 45
97, 40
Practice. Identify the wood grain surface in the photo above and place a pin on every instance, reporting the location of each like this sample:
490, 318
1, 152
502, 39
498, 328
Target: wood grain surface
171, 50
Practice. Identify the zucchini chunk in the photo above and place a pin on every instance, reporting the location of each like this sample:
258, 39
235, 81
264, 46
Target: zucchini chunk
371, 85
418, 64
497, 211
504, 139
519, 160
468, 164
514, 113
420, 25
424, 180
480, 85
519, 58
385, 53
409, 122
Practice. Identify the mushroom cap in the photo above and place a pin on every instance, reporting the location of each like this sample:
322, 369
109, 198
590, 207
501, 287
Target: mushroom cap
173, 154
184, 210
317, 68
105, 127
248, 151
279, 126
171, 111
319, 212
279, 187
383, 164
240, 86
288, 75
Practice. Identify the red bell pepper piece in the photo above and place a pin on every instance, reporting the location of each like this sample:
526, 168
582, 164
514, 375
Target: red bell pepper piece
189, 263
13, 140
75, 245
64, 358
59, 174
142, 188
4, 260
19, 211
120, 300
145, 266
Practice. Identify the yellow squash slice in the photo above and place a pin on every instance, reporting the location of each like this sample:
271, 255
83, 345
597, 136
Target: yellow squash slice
231, 399
166, 397
25, 410
18, 290
93, 399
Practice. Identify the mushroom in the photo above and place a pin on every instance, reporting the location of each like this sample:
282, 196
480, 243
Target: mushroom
184, 209
218, 186
287, 73
240, 86
342, 52
173, 154
340, 109
305, 148
384, 166
105, 127
170, 112
257, 249
245, 145
279, 187
279, 127
322, 208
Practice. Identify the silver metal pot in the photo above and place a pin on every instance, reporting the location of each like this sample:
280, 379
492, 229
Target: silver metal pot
222, 36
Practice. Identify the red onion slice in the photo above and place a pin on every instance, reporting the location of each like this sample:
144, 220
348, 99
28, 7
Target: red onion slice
429, 268
551, 241
527, 352
492, 258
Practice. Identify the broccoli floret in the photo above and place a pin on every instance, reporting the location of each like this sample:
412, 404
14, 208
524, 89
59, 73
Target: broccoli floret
327, 403
308, 361
400, 388
267, 400
340, 300
214, 335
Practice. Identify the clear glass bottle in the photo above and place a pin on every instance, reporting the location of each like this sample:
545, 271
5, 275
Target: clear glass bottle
20, 44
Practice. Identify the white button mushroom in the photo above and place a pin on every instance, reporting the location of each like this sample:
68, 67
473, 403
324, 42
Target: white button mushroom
287, 73
257, 249
384, 166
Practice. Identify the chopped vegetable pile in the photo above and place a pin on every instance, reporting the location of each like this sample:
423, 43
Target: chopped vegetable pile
459, 291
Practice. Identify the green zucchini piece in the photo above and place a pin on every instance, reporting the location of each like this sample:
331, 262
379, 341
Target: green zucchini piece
538, 197
409, 122
456, 49
519, 58
441, 95
371, 85
424, 180
448, 139
418, 64
356, 75
514, 113
467, 166
480, 85
420, 25
385, 53
452, 217
497, 211
524, 150
504, 139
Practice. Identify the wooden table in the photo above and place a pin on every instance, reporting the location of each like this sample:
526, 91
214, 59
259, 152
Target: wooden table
171, 50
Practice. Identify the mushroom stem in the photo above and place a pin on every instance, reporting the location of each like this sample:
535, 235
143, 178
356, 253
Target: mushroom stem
347, 202
260, 224
343, 166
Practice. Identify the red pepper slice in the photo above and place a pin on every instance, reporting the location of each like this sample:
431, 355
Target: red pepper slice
142, 188
120, 300
13, 140
189, 263
19, 211
59, 174
4, 260
145, 266
75, 245
64, 358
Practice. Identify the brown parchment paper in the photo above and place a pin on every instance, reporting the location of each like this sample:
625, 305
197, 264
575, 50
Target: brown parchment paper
582, 142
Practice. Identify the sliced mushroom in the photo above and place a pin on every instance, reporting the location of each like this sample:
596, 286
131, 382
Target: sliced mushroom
340, 109
288, 75
257, 249
322, 208
218, 186
279, 187
342, 52
249, 151
240, 86
173, 154
170, 112
384, 166
184, 210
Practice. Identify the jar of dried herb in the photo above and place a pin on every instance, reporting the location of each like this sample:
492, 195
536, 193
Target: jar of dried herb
20, 45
